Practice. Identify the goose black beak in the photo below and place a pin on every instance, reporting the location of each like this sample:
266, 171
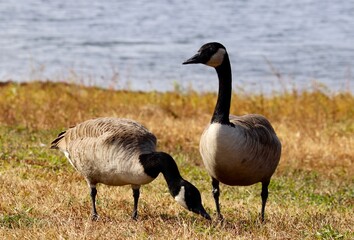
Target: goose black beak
195, 59
202, 212
205, 214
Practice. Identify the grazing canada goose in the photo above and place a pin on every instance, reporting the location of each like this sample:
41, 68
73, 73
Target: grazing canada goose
236, 150
118, 152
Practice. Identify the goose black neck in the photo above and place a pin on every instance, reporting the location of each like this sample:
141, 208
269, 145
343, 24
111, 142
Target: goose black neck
222, 108
160, 162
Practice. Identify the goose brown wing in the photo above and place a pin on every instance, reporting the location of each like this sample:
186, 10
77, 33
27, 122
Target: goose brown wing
256, 126
111, 130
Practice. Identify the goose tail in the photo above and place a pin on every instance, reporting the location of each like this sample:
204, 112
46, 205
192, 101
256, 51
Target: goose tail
56, 142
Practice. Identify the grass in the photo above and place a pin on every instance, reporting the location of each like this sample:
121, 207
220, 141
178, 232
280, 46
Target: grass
43, 197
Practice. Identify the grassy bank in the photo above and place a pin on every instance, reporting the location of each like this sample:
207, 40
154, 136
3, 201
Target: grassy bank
311, 195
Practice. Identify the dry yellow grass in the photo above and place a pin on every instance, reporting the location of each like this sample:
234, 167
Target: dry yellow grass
42, 197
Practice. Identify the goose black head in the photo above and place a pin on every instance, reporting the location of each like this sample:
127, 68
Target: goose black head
211, 54
189, 197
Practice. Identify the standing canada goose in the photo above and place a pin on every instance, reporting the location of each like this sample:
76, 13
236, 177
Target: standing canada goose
118, 152
236, 150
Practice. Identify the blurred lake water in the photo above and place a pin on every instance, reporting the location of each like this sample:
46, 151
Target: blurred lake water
141, 44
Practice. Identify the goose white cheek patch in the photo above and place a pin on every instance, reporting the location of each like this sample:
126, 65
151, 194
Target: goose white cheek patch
217, 58
180, 198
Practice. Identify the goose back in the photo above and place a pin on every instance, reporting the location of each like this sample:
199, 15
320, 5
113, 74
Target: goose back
243, 153
107, 150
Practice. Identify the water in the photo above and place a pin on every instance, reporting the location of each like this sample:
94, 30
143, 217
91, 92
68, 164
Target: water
141, 44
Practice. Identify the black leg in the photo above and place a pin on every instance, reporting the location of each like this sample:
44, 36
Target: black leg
216, 194
93, 199
264, 196
136, 194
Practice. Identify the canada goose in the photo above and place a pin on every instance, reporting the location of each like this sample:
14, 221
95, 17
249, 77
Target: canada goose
118, 152
236, 150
